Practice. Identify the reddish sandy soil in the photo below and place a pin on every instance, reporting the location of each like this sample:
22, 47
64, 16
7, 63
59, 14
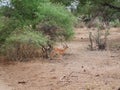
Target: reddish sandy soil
80, 68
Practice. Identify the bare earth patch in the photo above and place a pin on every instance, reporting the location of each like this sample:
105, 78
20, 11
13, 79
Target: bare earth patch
80, 68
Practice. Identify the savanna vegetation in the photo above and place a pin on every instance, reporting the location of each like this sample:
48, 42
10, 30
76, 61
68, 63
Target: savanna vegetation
72, 44
26, 25
31, 28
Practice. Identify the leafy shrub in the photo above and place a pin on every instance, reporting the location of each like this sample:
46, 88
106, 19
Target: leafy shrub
56, 15
35, 12
23, 44
9, 25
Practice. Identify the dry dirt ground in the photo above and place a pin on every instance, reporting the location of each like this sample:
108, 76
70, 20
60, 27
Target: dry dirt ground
80, 68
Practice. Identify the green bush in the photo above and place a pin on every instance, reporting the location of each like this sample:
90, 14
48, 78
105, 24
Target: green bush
57, 15
35, 12
23, 43
9, 25
27, 35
